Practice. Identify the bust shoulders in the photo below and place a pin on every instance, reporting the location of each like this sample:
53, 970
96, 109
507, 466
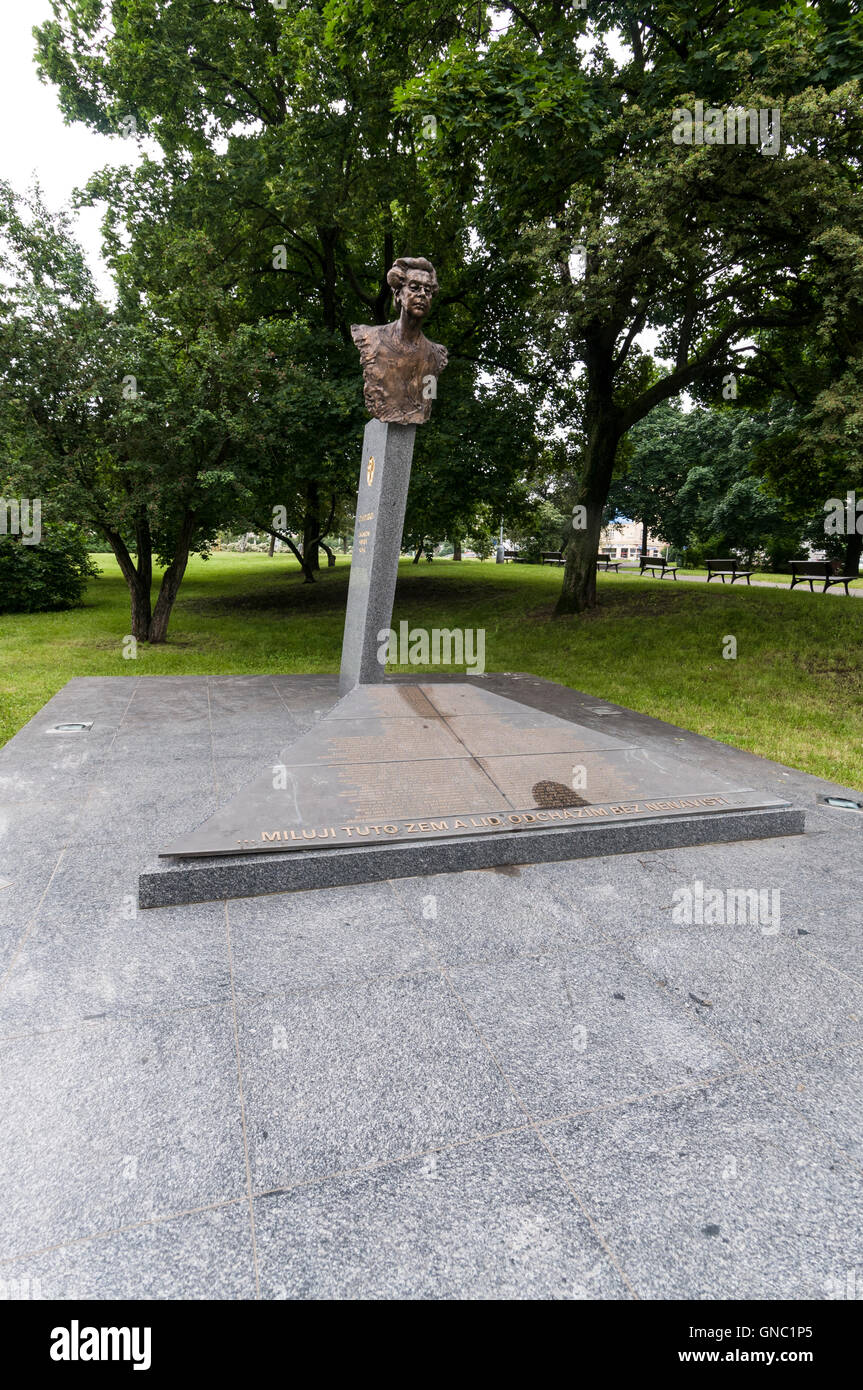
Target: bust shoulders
439, 353
396, 374
370, 337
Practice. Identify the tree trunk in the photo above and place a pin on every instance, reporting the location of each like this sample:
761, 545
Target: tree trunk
331, 559
643, 539
138, 577
172, 579
308, 577
418, 555
853, 551
328, 237
456, 550
272, 549
141, 612
579, 572
311, 532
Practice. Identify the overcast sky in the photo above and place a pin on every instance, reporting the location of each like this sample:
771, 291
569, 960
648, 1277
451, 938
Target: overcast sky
37, 142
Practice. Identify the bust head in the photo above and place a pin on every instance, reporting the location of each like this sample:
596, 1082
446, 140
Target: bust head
414, 283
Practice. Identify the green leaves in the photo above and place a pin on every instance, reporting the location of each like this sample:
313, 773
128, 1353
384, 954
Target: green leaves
45, 577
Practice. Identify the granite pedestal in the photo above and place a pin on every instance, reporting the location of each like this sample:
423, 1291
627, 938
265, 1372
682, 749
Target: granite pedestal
381, 500
403, 778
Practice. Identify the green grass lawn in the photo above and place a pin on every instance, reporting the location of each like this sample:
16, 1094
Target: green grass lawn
793, 693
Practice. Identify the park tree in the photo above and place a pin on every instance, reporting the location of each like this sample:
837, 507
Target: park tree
566, 128
652, 466
279, 144
482, 536
480, 457
721, 502
541, 527
813, 387
693, 479
142, 423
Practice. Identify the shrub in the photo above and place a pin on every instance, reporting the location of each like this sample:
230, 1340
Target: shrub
482, 544
545, 528
696, 554
780, 551
50, 575
691, 556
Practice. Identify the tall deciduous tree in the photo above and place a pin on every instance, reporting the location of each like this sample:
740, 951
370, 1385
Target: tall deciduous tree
142, 423
281, 146
813, 385
568, 140
653, 465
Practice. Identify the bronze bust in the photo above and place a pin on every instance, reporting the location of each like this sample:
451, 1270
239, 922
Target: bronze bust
400, 365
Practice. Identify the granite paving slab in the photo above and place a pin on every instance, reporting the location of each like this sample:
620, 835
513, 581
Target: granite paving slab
491, 1220
573, 1030
813, 902
27, 879
116, 1122
764, 996
827, 1090
202, 1255
344, 1078
171, 745
491, 914
396, 1037
334, 937
78, 963
719, 1192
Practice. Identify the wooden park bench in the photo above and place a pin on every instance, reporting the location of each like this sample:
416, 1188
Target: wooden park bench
723, 567
552, 557
605, 562
653, 564
804, 571
510, 555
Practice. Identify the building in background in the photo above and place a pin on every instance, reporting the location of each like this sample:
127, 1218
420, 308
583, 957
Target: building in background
622, 541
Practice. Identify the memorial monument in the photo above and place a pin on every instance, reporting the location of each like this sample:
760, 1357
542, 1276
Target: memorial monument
402, 776
400, 372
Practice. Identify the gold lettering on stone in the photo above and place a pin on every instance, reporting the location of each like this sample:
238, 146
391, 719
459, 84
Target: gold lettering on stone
375, 830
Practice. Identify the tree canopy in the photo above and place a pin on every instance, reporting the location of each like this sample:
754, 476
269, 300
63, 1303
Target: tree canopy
587, 183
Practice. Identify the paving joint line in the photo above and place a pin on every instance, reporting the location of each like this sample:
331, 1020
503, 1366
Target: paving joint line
583, 1208
242, 1108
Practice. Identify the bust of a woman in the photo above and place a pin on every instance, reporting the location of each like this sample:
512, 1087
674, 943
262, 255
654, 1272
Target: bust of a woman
400, 365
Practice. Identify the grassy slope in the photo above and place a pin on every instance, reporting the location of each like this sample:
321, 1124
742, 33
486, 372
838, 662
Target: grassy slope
794, 692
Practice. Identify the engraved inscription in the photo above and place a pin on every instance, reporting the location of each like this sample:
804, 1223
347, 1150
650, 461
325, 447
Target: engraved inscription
384, 827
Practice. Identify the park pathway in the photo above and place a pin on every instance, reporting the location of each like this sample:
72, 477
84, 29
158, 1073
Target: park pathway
756, 584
